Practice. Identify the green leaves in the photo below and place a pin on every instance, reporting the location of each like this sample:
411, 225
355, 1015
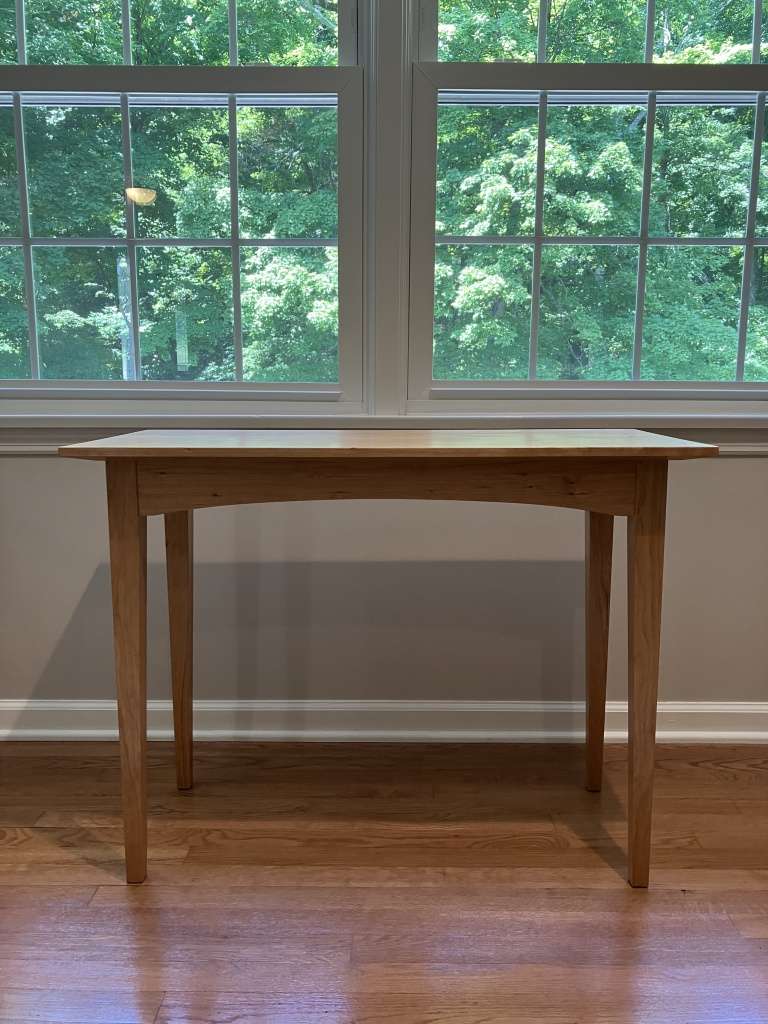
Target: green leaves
290, 314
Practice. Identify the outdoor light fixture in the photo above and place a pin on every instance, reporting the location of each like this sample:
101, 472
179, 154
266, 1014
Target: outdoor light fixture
141, 196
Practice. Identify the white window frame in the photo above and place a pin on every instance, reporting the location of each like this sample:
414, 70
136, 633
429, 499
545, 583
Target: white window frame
541, 83
387, 83
128, 85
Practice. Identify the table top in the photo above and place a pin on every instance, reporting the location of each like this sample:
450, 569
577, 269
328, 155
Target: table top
416, 443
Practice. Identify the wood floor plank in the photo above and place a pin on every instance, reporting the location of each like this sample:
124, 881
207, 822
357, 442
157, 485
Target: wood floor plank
382, 884
45, 1006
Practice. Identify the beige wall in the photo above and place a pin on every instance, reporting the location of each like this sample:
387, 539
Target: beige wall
383, 600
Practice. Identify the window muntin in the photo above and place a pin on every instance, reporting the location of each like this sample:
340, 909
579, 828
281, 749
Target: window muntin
185, 313
74, 170
8, 52
10, 214
182, 154
168, 32
486, 169
612, 296
194, 295
761, 212
203, 33
298, 32
482, 312
703, 31
593, 169
85, 331
691, 318
615, 178
14, 334
492, 30
290, 313
197, 283
702, 160
73, 32
288, 179
587, 305
756, 357
591, 33
623, 31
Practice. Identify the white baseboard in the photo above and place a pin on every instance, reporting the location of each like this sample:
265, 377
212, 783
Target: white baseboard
395, 720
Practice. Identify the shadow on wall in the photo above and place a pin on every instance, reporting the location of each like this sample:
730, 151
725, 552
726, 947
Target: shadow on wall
349, 630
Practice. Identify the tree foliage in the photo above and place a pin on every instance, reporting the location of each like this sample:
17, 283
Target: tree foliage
288, 190
592, 187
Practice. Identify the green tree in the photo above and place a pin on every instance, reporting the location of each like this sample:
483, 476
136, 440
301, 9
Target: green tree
288, 192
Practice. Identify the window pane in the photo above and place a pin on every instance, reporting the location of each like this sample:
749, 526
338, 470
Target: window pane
587, 312
288, 172
75, 171
701, 169
691, 312
8, 52
179, 32
83, 312
14, 337
756, 356
703, 31
10, 223
74, 32
486, 170
181, 154
585, 32
761, 218
487, 29
594, 170
482, 312
290, 32
290, 314
185, 307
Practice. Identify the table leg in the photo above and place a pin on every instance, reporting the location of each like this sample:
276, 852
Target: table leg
599, 553
128, 557
645, 569
179, 562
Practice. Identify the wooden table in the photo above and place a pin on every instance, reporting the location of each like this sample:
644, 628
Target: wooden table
605, 472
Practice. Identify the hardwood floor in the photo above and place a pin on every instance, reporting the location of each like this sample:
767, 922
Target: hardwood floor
382, 884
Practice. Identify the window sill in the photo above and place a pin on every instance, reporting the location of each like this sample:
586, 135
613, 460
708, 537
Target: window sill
738, 431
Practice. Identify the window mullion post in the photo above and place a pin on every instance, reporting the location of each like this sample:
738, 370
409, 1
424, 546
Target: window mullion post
749, 250
538, 231
757, 32
348, 31
541, 40
21, 32
126, 24
642, 256
234, 206
130, 226
650, 28
29, 277
232, 23
428, 30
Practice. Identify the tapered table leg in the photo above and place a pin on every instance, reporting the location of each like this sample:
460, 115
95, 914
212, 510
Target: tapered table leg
179, 562
128, 557
599, 552
645, 571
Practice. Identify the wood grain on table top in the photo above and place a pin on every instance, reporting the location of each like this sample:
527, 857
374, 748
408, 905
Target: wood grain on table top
372, 443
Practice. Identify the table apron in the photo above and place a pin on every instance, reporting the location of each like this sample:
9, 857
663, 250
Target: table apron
597, 484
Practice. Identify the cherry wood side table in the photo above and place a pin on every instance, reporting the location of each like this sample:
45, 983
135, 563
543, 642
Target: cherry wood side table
607, 473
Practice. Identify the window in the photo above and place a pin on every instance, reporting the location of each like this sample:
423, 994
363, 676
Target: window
337, 207
171, 221
588, 196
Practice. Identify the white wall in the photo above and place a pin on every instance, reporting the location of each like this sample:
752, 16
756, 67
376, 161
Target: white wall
376, 600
